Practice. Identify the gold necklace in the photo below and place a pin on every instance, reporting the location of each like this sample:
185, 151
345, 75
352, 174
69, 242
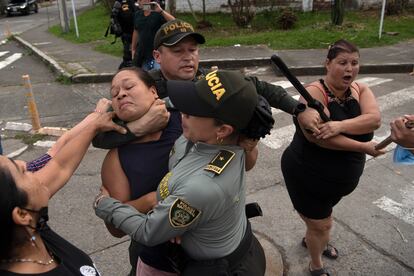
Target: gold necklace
51, 261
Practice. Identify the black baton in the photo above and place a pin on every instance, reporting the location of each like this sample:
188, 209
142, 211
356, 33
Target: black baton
313, 103
388, 140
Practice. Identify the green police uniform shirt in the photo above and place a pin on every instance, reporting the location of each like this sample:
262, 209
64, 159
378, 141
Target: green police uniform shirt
201, 199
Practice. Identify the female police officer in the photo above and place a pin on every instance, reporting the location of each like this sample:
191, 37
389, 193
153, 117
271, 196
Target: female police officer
202, 198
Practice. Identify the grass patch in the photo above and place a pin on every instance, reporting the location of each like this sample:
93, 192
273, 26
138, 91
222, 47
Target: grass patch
29, 139
62, 79
312, 30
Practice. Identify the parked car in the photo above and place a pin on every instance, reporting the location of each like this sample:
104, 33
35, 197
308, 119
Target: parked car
21, 7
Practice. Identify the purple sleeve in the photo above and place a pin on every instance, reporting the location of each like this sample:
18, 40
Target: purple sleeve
38, 163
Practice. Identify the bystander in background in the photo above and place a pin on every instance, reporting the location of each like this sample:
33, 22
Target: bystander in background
122, 14
148, 19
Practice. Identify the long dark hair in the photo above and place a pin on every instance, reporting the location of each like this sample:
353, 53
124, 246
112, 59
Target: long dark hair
341, 46
141, 74
10, 197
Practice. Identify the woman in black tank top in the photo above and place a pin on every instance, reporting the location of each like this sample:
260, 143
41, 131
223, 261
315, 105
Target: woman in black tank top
133, 171
331, 160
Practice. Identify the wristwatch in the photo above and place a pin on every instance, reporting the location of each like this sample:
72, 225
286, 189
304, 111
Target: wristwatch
299, 109
97, 199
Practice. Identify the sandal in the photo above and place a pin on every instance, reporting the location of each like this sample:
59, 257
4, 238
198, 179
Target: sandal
318, 272
327, 252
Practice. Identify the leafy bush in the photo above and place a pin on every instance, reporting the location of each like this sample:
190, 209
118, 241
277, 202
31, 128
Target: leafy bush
396, 7
287, 19
243, 12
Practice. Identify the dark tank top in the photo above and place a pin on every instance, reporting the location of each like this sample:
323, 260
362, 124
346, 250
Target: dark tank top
145, 164
333, 165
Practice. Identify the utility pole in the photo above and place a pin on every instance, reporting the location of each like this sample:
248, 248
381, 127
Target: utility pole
63, 14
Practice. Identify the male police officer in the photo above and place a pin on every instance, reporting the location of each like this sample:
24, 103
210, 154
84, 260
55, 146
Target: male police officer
202, 198
176, 50
122, 14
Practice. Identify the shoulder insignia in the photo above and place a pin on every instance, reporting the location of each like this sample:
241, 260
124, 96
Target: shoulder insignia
220, 161
182, 214
164, 192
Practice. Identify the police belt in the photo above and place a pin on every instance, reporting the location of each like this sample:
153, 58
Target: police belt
230, 261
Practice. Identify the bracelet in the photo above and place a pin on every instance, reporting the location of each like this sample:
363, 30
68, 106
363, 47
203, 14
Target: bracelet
98, 111
97, 199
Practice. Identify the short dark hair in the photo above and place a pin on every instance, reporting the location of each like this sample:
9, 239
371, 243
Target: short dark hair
10, 197
341, 46
143, 75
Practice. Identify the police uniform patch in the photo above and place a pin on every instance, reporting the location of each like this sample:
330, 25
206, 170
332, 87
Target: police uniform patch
220, 161
164, 192
182, 214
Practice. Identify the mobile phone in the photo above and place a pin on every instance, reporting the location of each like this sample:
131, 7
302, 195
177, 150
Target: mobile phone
149, 6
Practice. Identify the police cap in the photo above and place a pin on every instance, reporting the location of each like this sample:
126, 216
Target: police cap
172, 32
225, 95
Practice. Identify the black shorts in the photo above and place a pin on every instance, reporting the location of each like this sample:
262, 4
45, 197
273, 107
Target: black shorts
304, 191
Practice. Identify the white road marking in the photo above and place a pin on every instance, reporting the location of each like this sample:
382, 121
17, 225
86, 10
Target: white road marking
18, 126
3, 53
282, 136
17, 152
41, 43
371, 81
284, 84
10, 60
44, 144
403, 211
396, 98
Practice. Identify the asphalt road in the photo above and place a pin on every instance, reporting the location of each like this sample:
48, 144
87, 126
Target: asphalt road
47, 14
374, 226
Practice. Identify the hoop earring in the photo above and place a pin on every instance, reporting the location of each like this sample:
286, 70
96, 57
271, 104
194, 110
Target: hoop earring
219, 140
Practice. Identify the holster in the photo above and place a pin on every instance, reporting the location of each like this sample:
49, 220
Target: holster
186, 266
253, 210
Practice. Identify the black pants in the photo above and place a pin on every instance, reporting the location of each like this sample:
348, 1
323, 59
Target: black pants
243, 263
127, 54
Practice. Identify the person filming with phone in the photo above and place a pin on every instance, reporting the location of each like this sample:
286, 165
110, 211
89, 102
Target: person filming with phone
147, 21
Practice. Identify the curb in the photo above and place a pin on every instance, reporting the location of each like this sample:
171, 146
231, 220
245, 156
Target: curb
223, 63
45, 58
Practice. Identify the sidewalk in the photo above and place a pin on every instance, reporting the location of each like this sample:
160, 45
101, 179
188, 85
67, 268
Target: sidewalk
82, 64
